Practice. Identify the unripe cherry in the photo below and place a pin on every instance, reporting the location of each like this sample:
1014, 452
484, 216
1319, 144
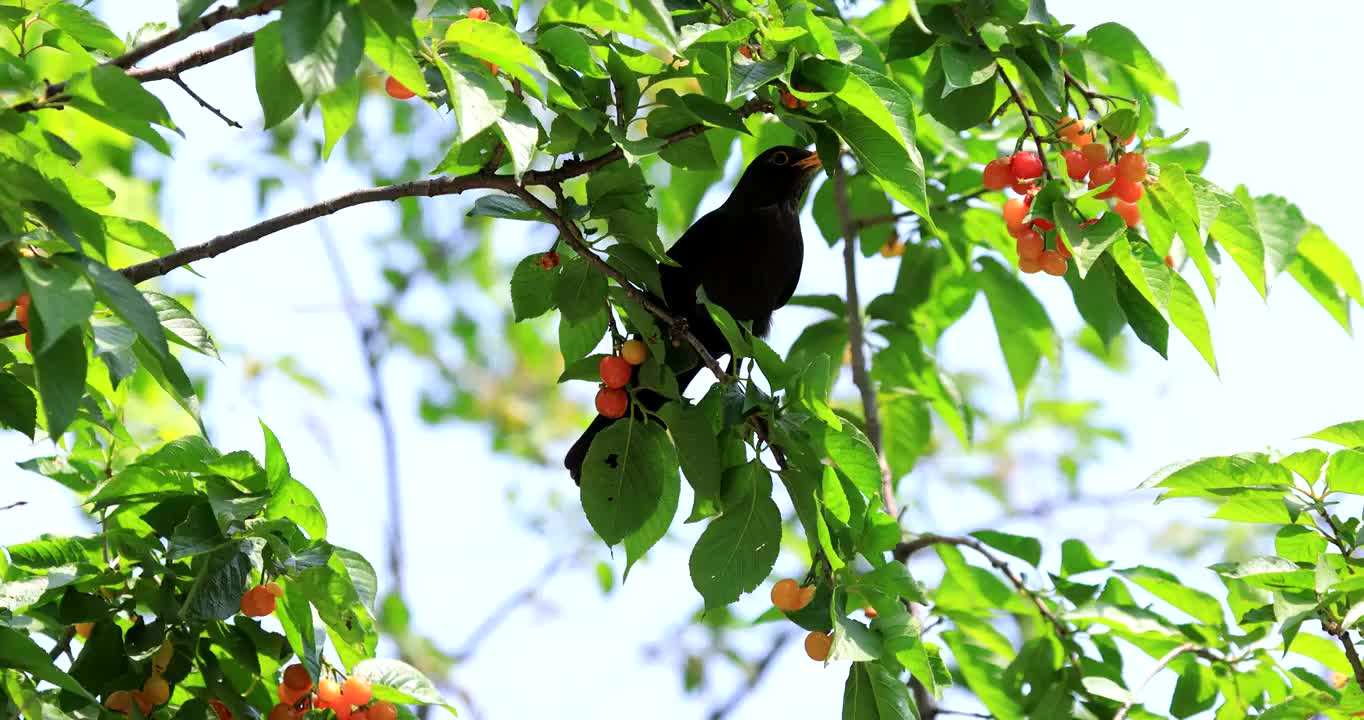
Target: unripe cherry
1026, 165
328, 692
634, 352
282, 712
817, 645
997, 174
1077, 166
1062, 249
786, 595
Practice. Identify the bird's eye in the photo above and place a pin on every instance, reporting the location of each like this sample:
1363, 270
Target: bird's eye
780, 157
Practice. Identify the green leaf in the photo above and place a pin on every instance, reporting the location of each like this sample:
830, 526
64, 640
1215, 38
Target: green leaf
623, 477
1146, 321
62, 298
875, 117
1077, 558
19, 652
1187, 314
619, 195
907, 430
533, 288
500, 45
138, 234
737, 550
569, 49
520, 133
396, 681
279, 94
61, 379
1326, 256
1345, 472
1024, 328
180, 323
218, 585
1346, 434
580, 291
1095, 239
324, 41
1281, 227
697, 448
478, 98
610, 16
852, 454
1202, 606
391, 42
82, 25
1027, 549
1234, 227
576, 340
332, 591
966, 66
656, 526
859, 700
18, 406
1117, 43
111, 97
305, 632
960, 110
853, 641
339, 107
120, 296
190, 10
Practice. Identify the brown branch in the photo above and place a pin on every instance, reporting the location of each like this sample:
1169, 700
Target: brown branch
195, 59
1353, 655
755, 676
1027, 121
55, 93
63, 643
15, 504
871, 413
204, 103
503, 610
874, 220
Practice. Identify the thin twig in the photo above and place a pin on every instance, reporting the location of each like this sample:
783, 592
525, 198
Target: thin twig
54, 93
873, 220
63, 643
1160, 665
15, 504
754, 678
1353, 655
503, 610
963, 713
1027, 121
198, 58
871, 414
204, 103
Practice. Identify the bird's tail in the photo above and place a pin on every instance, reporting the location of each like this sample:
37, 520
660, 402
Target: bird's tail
577, 454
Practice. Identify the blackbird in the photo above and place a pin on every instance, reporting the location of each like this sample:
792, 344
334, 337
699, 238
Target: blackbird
747, 256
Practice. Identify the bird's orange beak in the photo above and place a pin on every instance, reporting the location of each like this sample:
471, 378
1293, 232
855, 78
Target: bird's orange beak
811, 162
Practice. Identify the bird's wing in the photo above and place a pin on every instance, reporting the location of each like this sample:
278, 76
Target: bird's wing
698, 247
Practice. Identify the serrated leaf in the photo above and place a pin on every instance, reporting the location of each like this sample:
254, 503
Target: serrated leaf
623, 477
180, 323
396, 681
737, 550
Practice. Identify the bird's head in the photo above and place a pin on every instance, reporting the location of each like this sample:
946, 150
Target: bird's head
779, 175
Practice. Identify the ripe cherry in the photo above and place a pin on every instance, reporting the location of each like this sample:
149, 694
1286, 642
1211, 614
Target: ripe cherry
1030, 245
1043, 224
1023, 187
1052, 263
1096, 154
1129, 212
549, 260
997, 174
634, 352
291, 696
84, 629
1016, 230
282, 712
612, 403
1068, 128
120, 701
1026, 165
1132, 166
817, 645
786, 595
614, 371
1083, 140
492, 67
397, 90
1077, 165
1126, 190
274, 589
296, 677
143, 702
1101, 175
1089, 222
791, 101
1014, 211
746, 51
328, 692
156, 689
21, 310
1029, 266
478, 13
870, 612
220, 709
1169, 261
356, 691
1062, 249
257, 602
361, 714
383, 711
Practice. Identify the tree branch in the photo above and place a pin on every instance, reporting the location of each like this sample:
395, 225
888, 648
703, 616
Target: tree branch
56, 92
1027, 121
502, 611
871, 413
195, 59
15, 504
204, 103
755, 677
1160, 665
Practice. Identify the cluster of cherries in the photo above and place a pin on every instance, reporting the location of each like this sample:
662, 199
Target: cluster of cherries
155, 690
1123, 178
350, 700
21, 306
615, 371
399, 91
790, 596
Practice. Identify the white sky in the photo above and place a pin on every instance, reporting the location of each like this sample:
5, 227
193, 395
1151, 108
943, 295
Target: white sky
1266, 88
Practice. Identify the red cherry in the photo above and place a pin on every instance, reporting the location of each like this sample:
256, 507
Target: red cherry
1026, 165
1052, 263
612, 403
1023, 188
790, 101
1043, 224
478, 13
1126, 190
1129, 212
1096, 154
1030, 245
1068, 128
1102, 175
1132, 166
1017, 230
997, 174
397, 90
1062, 249
1170, 261
1077, 166
746, 51
614, 371
1089, 222
1014, 211
1029, 266
549, 260
356, 691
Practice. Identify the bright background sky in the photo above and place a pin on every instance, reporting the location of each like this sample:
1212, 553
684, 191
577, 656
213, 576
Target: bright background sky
1263, 87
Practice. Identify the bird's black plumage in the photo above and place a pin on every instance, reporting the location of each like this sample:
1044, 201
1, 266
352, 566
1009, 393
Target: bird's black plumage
746, 254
